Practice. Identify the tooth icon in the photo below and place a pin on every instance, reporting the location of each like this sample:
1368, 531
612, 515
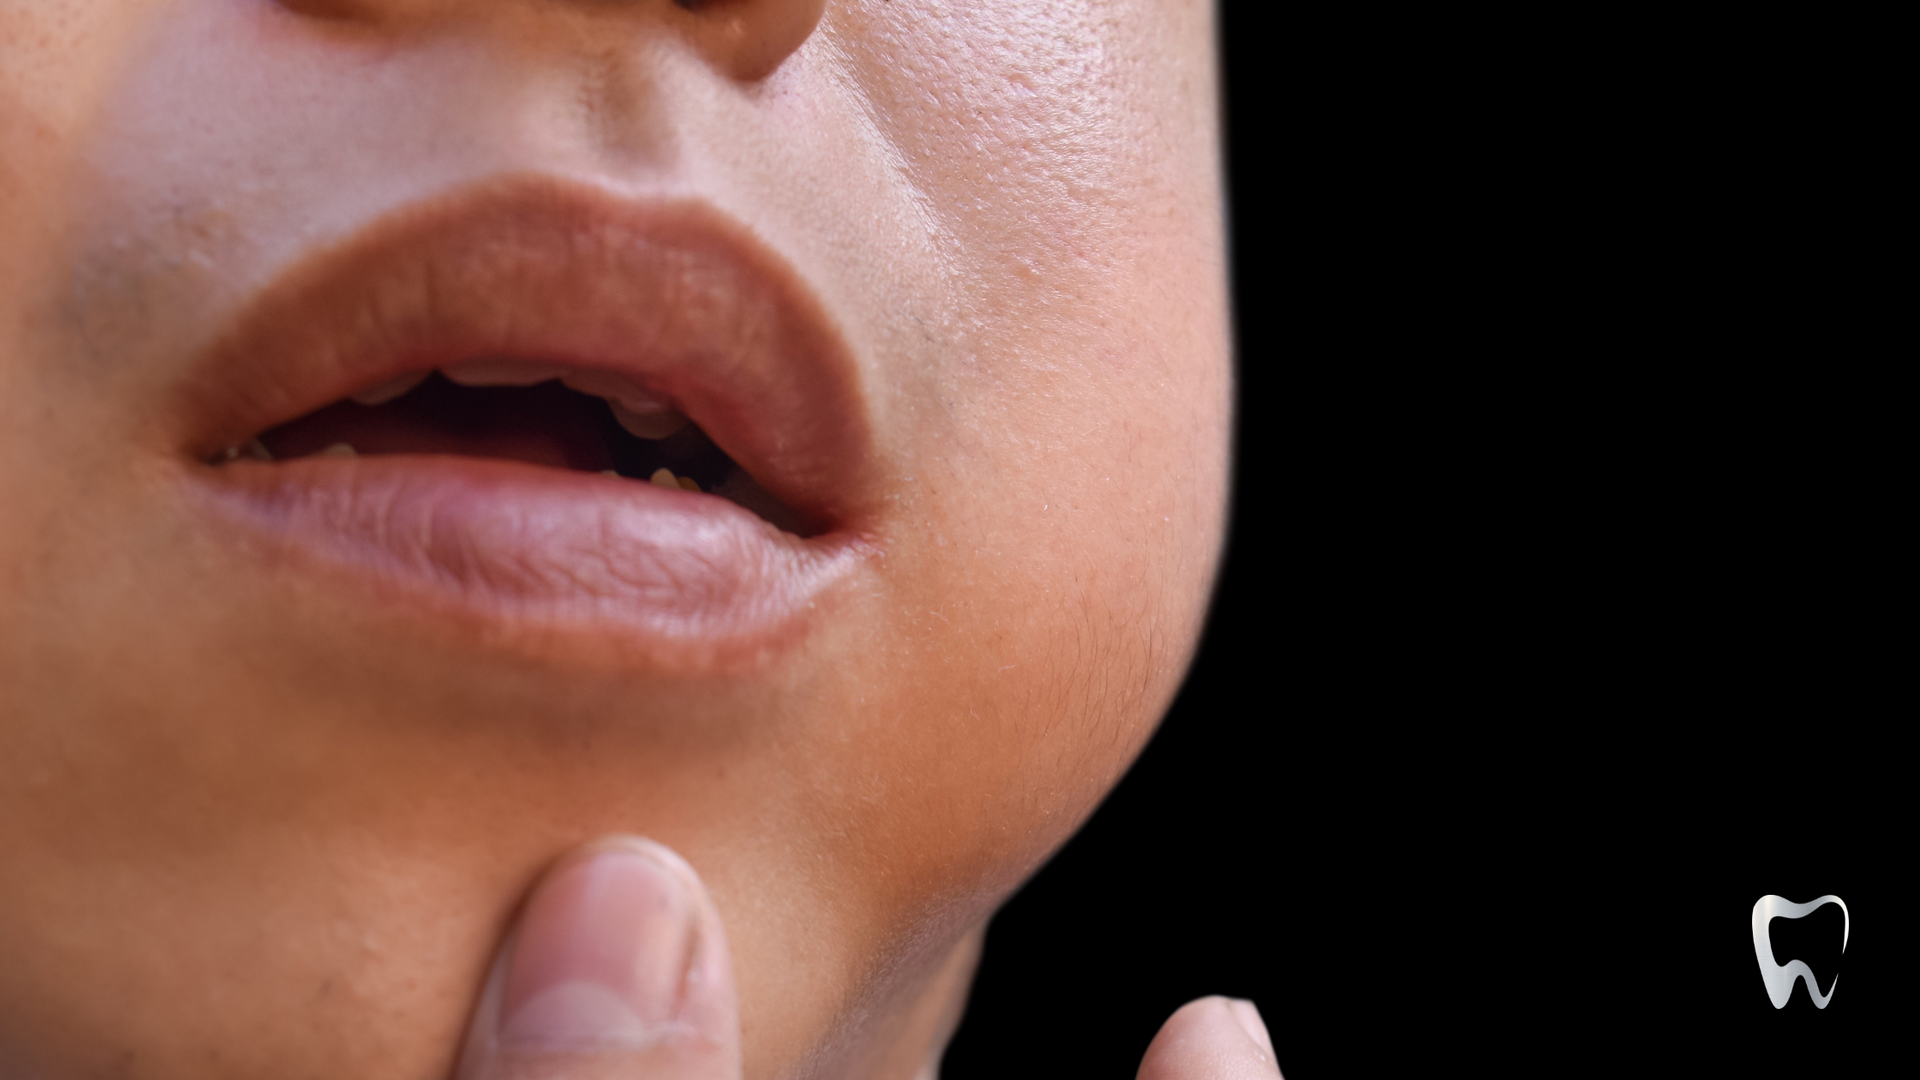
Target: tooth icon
1779, 978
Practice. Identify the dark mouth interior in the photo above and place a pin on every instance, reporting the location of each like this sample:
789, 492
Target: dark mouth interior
546, 424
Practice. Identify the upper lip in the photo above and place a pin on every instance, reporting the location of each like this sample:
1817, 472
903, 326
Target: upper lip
673, 293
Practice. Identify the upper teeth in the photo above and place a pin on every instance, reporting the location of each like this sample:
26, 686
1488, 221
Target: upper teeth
502, 373
392, 388
638, 409
648, 425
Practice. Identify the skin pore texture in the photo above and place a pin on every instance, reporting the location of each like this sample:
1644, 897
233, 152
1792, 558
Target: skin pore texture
274, 786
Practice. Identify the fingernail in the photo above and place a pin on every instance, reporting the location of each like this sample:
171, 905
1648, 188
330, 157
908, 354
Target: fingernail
601, 955
1249, 1017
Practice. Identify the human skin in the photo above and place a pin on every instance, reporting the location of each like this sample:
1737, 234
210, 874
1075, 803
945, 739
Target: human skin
259, 808
617, 967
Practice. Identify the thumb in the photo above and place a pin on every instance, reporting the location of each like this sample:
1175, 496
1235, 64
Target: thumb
616, 970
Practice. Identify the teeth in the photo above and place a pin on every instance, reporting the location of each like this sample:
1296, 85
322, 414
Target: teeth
502, 373
339, 449
641, 411
1777, 976
617, 388
663, 477
392, 388
257, 450
648, 425
609, 472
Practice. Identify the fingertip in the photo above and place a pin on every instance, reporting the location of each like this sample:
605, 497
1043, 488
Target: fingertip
618, 955
1248, 1015
1212, 1038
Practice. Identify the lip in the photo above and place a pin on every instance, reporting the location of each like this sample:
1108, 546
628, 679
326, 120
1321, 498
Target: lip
672, 293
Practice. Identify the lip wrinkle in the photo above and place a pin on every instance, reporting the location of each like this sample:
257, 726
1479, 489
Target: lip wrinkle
673, 294
505, 539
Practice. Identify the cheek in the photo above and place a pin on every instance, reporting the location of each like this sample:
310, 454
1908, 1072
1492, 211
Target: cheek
1066, 383
1070, 396
1056, 406
1068, 400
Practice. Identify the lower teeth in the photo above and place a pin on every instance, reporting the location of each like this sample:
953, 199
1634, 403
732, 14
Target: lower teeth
663, 477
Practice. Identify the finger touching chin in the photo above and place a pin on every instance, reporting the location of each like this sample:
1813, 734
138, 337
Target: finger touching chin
1214, 1038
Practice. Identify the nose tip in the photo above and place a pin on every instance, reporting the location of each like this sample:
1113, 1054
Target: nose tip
750, 38
745, 39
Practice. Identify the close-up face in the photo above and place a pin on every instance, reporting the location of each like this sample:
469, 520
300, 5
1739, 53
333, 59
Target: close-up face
435, 433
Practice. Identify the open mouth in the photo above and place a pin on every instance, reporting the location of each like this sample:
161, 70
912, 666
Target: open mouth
546, 405
540, 414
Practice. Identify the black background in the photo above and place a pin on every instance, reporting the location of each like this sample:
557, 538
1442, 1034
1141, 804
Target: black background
1565, 601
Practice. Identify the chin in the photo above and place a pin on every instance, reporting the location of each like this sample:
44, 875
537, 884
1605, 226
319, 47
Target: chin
421, 458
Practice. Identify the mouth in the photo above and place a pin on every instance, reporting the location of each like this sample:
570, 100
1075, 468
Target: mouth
539, 414
546, 404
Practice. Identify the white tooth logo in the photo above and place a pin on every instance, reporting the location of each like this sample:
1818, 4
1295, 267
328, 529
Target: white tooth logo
1779, 979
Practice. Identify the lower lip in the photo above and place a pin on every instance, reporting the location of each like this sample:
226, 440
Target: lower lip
688, 574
